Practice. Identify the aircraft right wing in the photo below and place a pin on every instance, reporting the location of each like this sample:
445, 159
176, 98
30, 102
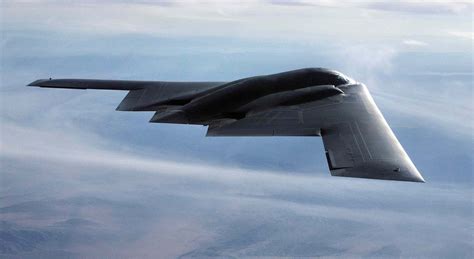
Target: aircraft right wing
358, 141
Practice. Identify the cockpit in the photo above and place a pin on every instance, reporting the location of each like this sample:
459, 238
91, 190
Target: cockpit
323, 76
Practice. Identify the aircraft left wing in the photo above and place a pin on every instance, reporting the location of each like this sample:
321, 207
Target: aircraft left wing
142, 95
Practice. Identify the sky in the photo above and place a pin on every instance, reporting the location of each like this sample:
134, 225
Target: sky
79, 179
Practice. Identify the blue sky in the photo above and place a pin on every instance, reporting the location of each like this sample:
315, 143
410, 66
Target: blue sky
80, 179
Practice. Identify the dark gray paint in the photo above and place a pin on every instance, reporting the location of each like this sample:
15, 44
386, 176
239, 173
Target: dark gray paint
306, 102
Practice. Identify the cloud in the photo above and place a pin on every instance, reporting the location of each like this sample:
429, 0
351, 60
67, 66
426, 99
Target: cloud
71, 146
201, 209
322, 3
87, 149
376, 67
217, 19
368, 63
433, 108
411, 6
423, 7
463, 34
414, 43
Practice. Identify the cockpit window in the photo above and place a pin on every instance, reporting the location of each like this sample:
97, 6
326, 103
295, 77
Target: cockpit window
321, 76
343, 78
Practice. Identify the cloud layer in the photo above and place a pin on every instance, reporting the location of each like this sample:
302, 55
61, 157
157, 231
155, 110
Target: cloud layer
103, 191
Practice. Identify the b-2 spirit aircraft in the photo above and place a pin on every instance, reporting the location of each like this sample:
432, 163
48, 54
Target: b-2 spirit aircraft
307, 102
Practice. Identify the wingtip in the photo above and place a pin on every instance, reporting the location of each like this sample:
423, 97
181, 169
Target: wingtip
415, 175
38, 82
420, 179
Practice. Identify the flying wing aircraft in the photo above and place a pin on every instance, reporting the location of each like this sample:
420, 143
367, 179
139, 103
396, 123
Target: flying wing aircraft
307, 102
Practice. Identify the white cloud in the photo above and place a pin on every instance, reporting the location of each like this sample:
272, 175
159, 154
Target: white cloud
414, 43
368, 63
73, 148
248, 20
445, 109
67, 145
441, 111
407, 6
463, 34
422, 6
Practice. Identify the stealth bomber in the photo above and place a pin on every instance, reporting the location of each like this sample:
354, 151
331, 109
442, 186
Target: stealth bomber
357, 140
